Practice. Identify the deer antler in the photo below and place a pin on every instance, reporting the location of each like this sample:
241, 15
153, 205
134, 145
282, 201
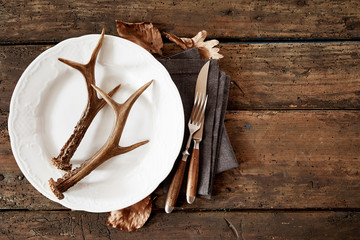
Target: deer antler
110, 149
94, 104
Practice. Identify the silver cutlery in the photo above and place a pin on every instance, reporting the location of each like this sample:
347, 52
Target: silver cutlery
193, 175
194, 124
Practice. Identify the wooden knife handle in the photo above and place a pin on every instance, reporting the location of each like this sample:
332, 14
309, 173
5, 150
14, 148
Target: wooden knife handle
192, 181
175, 187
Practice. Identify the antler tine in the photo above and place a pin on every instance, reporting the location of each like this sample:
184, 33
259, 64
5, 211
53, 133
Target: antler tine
73, 64
94, 104
121, 114
131, 100
121, 110
97, 48
106, 97
124, 109
110, 94
121, 150
128, 103
110, 149
88, 69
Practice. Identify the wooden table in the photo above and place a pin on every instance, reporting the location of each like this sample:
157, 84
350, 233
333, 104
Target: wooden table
293, 117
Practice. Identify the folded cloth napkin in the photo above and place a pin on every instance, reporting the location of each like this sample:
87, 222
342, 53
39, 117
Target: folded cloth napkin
216, 153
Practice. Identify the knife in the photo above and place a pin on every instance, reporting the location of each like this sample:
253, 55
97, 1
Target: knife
194, 126
192, 180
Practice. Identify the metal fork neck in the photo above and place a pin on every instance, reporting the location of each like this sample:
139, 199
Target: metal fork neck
186, 151
196, 144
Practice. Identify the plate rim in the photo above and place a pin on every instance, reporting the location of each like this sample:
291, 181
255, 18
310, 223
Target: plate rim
11, 128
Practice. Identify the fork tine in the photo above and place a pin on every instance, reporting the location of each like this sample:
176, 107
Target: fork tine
203, 109
200, 108
198, 112
194, 125
194, 107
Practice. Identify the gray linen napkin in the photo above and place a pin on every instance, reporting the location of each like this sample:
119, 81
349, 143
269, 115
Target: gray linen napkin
226, 157
216, 153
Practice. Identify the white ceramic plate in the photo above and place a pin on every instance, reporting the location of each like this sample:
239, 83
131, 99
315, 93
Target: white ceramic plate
49, 99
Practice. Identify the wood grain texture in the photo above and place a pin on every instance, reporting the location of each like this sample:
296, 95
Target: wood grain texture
41, 20
201, 225
13, 62
296, 158
293, 117
293, 75
271, 76
288, 159
175, 186
193, 174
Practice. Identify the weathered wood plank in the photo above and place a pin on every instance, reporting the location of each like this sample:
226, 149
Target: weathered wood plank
294, 75
272, 76
288, 159
183, 225
13, 62
41, 20
295, 158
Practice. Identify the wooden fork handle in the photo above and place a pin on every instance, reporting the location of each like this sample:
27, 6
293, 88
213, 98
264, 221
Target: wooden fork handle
192, 180
175, 187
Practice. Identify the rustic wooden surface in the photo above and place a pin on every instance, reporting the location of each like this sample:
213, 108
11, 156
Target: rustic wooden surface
264, 75
293, 117
288, 159
34, 21
184, 225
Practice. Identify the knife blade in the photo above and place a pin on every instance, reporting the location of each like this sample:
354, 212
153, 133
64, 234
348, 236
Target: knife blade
191, 189
174, 189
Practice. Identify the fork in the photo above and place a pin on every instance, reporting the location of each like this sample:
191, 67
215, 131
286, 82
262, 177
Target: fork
194, 125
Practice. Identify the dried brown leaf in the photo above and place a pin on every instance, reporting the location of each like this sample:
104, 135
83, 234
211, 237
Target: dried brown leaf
207, 49
131, 218
143, 34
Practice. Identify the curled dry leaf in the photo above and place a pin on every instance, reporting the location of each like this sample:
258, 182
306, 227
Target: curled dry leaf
143, 34
131, 218
207, 49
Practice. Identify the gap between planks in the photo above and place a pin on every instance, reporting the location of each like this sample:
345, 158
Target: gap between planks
221, 41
